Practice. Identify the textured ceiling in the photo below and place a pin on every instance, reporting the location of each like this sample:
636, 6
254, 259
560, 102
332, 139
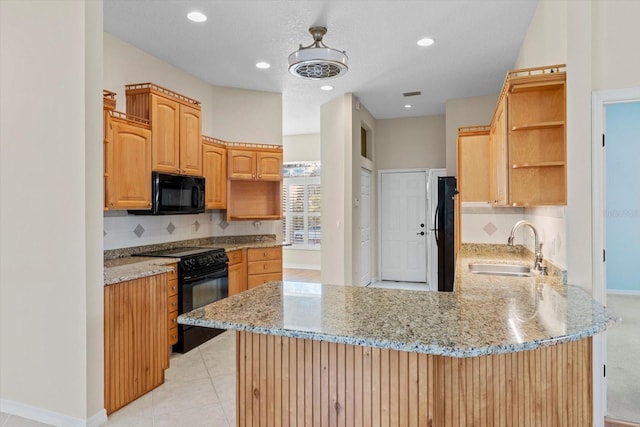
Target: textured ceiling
477, 42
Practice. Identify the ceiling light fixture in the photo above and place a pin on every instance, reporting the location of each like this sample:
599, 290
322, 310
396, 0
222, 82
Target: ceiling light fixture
263, 65
318, 61
426, 42
196, 16
326, 87
407, 106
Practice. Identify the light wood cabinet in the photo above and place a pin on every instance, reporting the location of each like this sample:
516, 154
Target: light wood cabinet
135, 339
263, 265
252, 164
237, 271
176, 125
172, 289
473, 159
498, 162
214, 170
254, 185
526, 144
537, 136
127, 163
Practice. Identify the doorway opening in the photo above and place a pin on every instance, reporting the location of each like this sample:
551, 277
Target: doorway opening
615, 214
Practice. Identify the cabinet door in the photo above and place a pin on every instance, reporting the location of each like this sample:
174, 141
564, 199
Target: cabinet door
190, 141
129, 184
242, 164
165, 122
135, 339
107, 171
269, 166
498, 162
214, 170
473, 174
237, 279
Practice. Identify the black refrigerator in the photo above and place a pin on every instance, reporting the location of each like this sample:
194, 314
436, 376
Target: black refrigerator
445, 224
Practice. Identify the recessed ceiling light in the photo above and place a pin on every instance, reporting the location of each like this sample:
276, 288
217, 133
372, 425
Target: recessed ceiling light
326, 87
426, 42
196, 16
263, 65
407, 105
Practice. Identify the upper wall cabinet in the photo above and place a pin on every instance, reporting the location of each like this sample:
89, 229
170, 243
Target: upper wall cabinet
176, 124
214, 170
537, 136
473, 153
127, 160
254, 185
255, 164
498, 156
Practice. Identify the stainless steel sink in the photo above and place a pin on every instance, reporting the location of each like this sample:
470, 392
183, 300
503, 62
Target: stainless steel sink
513, 270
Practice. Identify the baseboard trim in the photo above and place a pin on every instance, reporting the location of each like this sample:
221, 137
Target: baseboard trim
608, 422
623, 292
302, 266
46, 416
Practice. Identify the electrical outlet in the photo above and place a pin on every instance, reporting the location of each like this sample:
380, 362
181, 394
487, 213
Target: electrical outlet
193, 229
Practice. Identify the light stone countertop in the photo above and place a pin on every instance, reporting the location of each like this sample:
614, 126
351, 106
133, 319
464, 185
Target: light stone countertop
484, 315
135, 267
130, 268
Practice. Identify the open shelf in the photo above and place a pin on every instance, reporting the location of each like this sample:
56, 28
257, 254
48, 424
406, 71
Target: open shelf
539, 125
537, 165
254, 200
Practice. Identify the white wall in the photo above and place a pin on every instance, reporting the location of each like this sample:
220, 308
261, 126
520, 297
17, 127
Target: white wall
473, 111
411, 142
227, 113
50, 253
301, 148
335, 146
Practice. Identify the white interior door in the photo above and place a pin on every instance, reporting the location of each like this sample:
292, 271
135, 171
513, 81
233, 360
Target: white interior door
403, 226
365, 225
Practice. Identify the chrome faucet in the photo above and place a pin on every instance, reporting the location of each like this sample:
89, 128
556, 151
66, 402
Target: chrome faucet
537, 245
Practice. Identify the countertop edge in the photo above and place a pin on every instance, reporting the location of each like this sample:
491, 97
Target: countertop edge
437, 350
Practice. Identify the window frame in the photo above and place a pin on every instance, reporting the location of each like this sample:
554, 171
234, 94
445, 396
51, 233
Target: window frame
287, 182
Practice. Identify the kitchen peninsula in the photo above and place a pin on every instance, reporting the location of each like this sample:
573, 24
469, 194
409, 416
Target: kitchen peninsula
496, 351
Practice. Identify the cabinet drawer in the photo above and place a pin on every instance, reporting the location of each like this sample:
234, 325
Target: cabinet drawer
173, 303
173, 335
262, 267
173, 275
259, 279
235, 257
173, 287
173, 320
264, 254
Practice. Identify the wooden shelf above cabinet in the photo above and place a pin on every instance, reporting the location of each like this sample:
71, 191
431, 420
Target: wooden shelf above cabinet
537, 165
540, 125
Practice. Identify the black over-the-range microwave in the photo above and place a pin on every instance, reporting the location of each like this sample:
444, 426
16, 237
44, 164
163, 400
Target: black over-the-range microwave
175, 194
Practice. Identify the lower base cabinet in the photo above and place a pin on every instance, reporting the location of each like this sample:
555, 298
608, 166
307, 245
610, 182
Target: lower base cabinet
263, 265
303, 382
135, 338
237, 271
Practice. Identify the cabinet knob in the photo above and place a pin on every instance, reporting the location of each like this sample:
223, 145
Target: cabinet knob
264, 267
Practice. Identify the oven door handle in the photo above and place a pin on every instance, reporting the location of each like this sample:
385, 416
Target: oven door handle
223, 272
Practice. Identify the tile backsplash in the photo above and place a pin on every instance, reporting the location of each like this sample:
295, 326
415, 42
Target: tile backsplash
122, 230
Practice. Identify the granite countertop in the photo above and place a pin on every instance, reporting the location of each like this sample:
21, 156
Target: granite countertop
135, 267
130, 268
484, 315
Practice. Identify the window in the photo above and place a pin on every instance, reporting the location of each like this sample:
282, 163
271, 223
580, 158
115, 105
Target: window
301, 205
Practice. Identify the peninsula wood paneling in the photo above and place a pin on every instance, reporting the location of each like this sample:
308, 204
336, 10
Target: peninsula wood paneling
298, 382
135, 338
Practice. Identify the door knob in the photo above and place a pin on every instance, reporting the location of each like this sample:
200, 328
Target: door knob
422, 225
420, 233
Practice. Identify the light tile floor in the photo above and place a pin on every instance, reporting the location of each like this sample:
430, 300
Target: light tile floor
199, 390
